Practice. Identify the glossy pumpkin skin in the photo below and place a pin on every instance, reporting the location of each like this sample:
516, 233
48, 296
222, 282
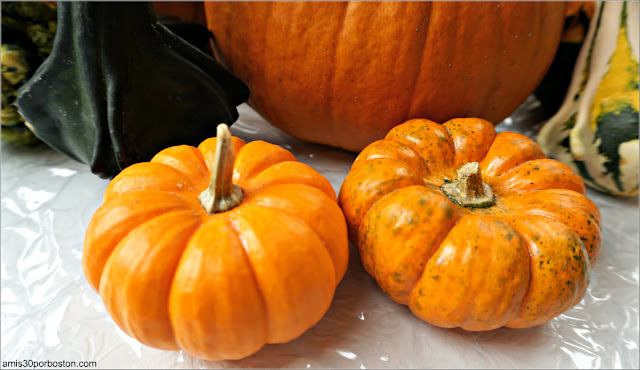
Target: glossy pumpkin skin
345, 73
518, 263
217, 286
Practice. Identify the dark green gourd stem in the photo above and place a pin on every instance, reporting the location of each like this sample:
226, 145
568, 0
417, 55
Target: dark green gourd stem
222, 194
469, 190
104, 96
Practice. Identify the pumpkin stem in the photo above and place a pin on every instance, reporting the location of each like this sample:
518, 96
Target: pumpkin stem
469, 190
222, 194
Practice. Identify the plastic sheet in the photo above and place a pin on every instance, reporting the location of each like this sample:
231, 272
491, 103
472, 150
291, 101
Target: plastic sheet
49, 312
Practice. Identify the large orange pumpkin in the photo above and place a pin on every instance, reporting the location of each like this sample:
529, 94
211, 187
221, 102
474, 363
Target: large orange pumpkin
345, 73
217, 269
471, 229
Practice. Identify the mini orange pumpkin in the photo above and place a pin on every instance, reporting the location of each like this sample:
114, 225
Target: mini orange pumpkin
468, 228
259, 265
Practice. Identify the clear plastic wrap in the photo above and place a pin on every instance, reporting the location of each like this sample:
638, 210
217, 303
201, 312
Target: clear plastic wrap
49, 312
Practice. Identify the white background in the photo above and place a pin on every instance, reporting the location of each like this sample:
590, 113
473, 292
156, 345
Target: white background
49, 312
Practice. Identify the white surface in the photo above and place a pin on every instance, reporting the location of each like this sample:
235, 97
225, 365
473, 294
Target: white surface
49, 312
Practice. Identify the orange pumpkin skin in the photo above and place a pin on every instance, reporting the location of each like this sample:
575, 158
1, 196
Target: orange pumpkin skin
518, 263
218, 286
345, 73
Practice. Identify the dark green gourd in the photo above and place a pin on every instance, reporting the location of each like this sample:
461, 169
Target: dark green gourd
119, 87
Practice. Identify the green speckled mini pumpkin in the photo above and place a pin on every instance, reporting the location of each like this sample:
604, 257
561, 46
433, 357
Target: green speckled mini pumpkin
468, 228
595, 131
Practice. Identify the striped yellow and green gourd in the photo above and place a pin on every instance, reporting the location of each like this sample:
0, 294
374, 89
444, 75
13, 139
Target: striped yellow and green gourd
595, 131
28, 29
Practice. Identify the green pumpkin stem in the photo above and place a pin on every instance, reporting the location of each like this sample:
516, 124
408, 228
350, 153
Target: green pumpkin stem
222, 194
469, 190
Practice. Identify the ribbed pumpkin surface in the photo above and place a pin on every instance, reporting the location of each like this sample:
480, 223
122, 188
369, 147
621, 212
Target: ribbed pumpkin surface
518, 260
345, 73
